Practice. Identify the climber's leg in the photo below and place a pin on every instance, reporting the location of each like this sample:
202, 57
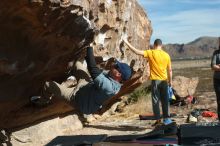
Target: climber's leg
80, 71
55, 89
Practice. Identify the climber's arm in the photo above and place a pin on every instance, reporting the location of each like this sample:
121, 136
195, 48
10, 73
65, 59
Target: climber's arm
91, 63
128, 87
100, 80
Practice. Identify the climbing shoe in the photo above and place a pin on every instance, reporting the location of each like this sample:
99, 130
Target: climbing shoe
40, 101
167, 121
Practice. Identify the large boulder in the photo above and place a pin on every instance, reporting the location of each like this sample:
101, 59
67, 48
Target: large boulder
185, 86
39, 39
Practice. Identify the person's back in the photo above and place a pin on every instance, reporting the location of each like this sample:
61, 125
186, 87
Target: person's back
158, 61
161, 76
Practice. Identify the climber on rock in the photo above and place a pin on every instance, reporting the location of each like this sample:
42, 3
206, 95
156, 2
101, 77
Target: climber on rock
90, 92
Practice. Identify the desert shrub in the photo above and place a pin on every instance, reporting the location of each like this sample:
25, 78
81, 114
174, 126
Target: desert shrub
142, 91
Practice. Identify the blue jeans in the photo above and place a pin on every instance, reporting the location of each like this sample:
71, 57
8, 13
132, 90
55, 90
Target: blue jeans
159, 92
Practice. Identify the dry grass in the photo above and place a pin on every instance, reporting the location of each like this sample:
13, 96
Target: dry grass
142, 106
183, 64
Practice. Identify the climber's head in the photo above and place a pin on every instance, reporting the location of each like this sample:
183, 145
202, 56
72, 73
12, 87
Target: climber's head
120, 71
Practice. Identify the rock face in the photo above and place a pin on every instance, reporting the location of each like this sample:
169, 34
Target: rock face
39, 39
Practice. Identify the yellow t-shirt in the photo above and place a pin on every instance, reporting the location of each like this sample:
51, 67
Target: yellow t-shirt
159, 61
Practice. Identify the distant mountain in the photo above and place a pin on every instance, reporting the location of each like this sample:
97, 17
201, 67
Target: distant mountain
202, 47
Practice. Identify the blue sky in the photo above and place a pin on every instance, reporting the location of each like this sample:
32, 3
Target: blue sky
182, 21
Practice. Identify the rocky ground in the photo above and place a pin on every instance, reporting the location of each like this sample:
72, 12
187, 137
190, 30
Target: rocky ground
121, 124
130, 124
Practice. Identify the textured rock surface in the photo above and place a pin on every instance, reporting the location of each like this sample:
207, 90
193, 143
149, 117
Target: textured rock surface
39, 38
185, 86
45, 131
